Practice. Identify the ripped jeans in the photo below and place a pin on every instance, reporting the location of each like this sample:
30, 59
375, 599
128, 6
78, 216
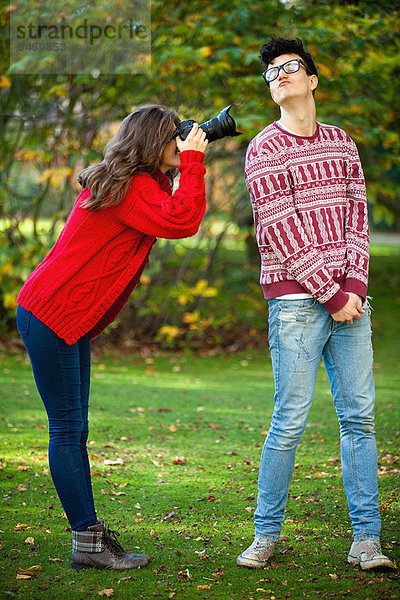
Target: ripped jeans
300, 332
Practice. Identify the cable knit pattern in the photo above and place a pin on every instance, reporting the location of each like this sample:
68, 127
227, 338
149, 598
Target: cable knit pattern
310, 214
98, 259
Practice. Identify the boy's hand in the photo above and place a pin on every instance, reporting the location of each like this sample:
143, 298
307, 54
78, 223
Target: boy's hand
351, 310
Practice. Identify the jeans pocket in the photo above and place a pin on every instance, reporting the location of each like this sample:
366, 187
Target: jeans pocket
23, 321
296, 310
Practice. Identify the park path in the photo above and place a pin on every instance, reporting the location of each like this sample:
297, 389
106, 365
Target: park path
385, 238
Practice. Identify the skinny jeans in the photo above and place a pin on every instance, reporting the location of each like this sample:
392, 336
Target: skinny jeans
62, 376
300, 333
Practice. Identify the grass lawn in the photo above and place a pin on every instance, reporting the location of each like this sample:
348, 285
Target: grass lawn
175, 444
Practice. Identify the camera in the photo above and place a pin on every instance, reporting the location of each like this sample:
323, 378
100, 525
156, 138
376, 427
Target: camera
216, 128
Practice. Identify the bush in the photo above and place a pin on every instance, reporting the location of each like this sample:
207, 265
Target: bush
18, 256
200, 293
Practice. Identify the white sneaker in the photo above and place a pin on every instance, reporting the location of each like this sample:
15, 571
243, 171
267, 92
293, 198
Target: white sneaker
257, 554
368, 555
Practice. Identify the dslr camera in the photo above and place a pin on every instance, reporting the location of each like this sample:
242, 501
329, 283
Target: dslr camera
216, 128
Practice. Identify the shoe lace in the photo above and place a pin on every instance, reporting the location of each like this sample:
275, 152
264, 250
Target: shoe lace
261, 546
374, 545
110, 539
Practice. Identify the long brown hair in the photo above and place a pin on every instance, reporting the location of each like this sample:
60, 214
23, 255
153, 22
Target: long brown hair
137, 147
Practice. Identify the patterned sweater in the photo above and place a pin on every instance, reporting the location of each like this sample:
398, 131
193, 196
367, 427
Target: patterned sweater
98, 259
310, 214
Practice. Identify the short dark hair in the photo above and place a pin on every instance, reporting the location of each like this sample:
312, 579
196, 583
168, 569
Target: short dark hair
277, 46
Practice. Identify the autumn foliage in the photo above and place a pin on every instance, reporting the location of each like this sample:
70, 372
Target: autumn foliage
205, 55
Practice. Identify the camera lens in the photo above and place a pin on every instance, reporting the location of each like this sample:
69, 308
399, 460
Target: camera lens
216, 128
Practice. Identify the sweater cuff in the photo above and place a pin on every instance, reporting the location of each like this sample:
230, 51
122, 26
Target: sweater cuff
189, 156
336, 302
356, 287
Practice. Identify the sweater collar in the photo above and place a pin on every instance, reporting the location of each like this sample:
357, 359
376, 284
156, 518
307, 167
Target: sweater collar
301, 137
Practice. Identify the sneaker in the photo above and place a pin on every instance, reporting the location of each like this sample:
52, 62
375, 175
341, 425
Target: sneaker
368, 555
98, 548
257, 554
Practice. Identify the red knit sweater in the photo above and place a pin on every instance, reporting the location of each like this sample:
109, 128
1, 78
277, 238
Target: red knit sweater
98, 259
310, 214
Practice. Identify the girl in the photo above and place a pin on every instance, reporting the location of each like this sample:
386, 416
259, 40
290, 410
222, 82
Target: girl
83, 283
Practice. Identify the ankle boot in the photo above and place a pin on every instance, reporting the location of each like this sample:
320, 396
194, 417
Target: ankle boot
98, 548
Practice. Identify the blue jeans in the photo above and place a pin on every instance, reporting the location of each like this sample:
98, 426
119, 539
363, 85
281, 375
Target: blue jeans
62, 376
300, 332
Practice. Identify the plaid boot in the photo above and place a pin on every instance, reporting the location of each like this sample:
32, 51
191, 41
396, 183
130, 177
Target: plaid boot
98, 548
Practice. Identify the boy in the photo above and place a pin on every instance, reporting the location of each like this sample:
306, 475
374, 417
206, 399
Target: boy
310, 214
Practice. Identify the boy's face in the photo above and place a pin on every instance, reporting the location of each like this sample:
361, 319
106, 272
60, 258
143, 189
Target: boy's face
291, 86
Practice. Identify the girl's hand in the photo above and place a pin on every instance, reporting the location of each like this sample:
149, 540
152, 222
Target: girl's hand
196, 140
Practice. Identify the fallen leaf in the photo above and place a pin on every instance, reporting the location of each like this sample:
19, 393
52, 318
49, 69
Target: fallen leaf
30, 540
204, 587
28, 573
21, 526
117, 461
218, 573
106, 592
333, 460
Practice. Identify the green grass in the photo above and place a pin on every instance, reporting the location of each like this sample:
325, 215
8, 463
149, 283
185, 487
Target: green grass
189, 432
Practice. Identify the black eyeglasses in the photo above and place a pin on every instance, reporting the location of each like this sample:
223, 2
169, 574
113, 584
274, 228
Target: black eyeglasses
291, 66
